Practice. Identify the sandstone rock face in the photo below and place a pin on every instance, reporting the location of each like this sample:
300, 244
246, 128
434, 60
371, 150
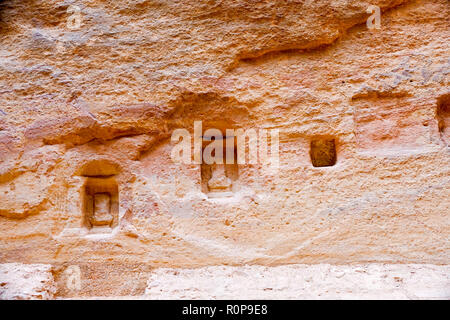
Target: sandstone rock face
91, 92
373, 281
24, 282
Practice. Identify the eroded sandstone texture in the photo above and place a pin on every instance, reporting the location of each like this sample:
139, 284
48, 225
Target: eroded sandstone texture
87, 183
322, 281
23, 282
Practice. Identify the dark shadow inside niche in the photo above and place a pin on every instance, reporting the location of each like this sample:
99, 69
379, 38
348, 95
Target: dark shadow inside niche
443, 115
323, 152
220, 179
101, 202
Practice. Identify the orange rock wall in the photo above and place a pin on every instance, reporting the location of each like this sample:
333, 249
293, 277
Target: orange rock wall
101, 101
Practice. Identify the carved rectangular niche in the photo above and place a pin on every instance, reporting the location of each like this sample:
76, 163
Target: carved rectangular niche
219, 180
323, 152
443, 114
101, 203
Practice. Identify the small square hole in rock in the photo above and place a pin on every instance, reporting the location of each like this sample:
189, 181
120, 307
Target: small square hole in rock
323, 152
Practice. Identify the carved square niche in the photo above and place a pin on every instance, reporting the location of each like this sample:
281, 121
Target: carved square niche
219, 180
101, 203
323, 152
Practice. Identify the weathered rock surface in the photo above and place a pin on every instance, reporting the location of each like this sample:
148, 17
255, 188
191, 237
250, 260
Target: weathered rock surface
26, 281
90, 110
322, 281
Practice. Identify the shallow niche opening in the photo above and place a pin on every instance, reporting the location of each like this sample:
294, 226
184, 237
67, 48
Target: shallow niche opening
323, 152
219, 180
101, 203
443, 114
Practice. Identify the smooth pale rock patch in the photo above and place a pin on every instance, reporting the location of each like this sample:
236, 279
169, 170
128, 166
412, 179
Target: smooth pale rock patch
26, 281
322, 281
